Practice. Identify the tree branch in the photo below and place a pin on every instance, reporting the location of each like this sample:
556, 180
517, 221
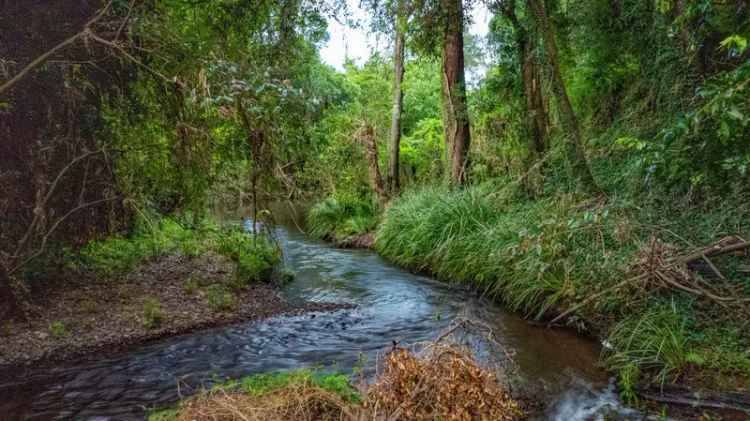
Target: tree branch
52, 230
44, 57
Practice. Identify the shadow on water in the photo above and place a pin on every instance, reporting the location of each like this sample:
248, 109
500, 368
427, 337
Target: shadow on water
392, 306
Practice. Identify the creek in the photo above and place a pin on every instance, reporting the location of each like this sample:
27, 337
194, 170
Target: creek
392, 305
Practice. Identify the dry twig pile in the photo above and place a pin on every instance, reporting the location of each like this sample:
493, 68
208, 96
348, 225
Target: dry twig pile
445, 383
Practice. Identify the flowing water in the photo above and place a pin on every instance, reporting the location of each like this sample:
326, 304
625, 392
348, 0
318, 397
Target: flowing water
392, 305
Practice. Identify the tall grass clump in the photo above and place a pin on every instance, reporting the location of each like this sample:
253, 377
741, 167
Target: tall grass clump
655, 339
532, 255
337, 218
255, 256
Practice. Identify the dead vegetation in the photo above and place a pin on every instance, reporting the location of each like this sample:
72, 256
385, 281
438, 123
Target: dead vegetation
298, 401
660, 266
442, 381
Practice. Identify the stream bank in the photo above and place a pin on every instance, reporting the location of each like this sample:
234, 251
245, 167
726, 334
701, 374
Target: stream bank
169, 295
601, 267
555, 366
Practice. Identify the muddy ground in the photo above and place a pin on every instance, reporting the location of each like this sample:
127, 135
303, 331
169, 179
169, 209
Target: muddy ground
84, 315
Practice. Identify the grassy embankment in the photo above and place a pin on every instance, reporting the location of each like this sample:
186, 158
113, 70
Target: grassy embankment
546, 256
344, 221
253, 257
127, 289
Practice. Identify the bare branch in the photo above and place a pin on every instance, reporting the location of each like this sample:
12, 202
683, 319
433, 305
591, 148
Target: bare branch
44, 57
47, 197
52, 230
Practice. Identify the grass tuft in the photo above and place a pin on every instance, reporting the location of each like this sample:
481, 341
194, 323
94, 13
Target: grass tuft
338, 219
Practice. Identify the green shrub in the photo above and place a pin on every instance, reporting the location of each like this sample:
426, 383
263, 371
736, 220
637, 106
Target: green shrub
337, 219
287, 275
254, 256
252, 268
219, 298
191, 248
655, 340
59, 330
115, 256
153, 314
112, 256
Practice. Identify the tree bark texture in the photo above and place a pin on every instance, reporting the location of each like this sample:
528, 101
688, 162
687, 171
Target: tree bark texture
367, 137
398, 103
455, 109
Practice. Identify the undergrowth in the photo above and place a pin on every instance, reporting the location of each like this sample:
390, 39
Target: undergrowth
340, 218
264, 386
117, 255
543, 256
254, 256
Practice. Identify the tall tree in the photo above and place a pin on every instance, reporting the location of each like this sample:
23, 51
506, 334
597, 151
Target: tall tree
455, 109
398, 100
574, 145
537, 120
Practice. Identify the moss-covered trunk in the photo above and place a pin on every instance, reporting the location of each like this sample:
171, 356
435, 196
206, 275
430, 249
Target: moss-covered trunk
574, 144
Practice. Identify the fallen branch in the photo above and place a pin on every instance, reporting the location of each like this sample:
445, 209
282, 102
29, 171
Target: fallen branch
713, 267
595, 296
715, 250
729, 401
661, 271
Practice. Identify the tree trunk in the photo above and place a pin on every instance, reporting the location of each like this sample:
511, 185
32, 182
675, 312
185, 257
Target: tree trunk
534, 107
8, 302
536, 116
535, 119
367, 137
574, 145
398, 102
455, 110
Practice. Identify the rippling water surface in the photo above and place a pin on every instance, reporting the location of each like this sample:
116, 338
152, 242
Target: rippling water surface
392, 305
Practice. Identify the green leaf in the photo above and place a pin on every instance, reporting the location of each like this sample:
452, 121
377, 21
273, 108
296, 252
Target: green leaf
735, 42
